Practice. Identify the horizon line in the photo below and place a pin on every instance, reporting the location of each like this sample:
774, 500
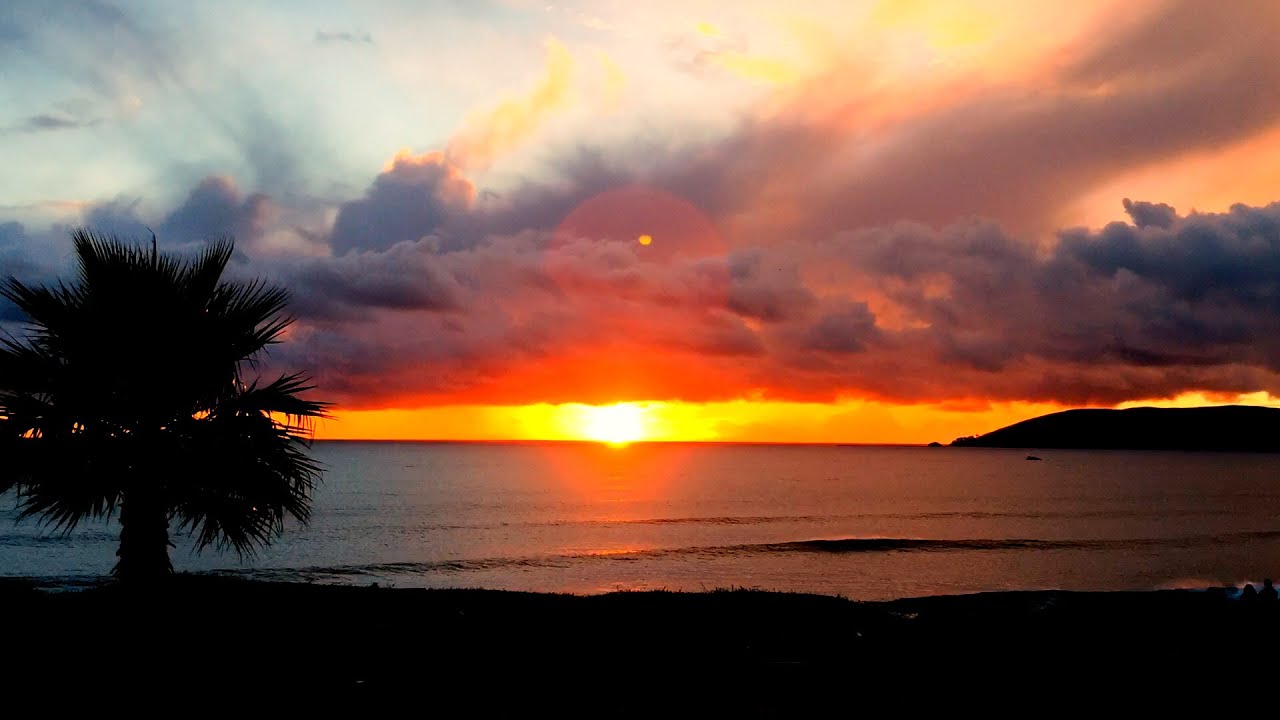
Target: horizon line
572, 441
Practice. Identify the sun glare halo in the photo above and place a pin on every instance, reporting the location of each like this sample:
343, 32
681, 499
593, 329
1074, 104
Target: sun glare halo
617, 424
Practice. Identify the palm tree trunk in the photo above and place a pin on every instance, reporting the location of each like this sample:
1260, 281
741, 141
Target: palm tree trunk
144, 539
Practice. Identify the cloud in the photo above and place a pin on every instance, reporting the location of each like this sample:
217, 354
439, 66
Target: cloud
490, 133
214, 208
48, 122
1147, 214
343, 37
800, 252
115, 55
31, 257
96, 43
1177, 38
846, 330
898, 312
117, 217
14, 257
402, 277
1123, 312
410, 199
765, 287
1018, 152
844, 263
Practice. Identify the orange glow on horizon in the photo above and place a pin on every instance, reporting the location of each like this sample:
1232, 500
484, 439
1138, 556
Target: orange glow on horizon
853, 421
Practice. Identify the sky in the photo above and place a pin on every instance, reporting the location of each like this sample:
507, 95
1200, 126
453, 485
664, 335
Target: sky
885, 221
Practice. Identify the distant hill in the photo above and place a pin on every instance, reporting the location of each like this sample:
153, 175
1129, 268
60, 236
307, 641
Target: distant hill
1227, 427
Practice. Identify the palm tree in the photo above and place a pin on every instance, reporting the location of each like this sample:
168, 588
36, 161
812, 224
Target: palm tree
129, 393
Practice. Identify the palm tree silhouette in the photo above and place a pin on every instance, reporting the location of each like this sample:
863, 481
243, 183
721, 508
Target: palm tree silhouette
129, 393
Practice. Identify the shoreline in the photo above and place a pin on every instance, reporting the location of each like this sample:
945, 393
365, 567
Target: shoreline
742, 625
76, 584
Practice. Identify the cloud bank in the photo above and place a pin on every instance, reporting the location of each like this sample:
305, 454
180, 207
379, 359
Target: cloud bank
812, 251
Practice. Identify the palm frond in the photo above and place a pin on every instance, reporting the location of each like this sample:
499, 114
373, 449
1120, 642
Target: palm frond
63, 479
251, 313
254, 474
200, 278
46, 308
279, 397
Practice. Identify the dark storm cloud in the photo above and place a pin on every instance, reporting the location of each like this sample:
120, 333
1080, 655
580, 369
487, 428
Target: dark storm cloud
846, 330
117, 217
713, 334
31, 257
1105, 316
406, 276
213, 208
1156, 305
14, 260
1127, 311
765, 287
1231, 258
408, 201
1145, 214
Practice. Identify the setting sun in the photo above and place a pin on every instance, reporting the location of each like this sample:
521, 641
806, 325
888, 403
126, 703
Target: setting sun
617, 424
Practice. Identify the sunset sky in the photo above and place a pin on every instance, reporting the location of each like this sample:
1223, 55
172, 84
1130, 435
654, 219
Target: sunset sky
882, 221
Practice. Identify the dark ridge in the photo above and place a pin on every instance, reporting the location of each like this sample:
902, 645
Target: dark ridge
1226, 428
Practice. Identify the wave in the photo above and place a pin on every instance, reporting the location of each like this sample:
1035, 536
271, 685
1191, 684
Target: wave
855, 545
90, 536
829, 518
818, 546
77, 537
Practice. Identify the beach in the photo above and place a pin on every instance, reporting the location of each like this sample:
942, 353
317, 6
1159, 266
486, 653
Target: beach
210, 634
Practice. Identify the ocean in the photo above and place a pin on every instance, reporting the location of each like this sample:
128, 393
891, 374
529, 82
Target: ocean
859, 521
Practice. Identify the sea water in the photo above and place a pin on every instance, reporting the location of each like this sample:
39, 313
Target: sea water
859, 521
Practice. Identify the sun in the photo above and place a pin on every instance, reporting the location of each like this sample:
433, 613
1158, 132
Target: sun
617, 424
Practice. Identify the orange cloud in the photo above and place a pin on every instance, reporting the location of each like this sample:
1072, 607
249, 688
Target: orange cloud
488, 134
614, 82
751, 67
943, 24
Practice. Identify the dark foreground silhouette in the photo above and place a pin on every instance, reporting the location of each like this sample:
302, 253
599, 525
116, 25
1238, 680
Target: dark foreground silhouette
472, 649
1225, 428
135, 393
